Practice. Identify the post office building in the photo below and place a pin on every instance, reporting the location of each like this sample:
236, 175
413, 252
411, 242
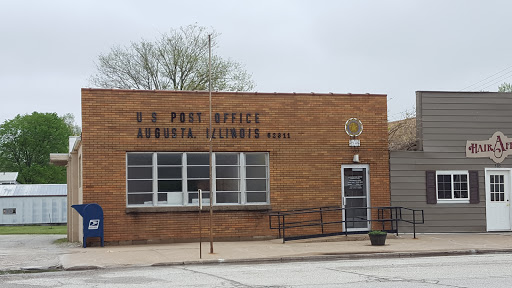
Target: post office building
143, 156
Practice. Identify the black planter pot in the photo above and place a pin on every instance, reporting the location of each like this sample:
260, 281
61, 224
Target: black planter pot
378, 240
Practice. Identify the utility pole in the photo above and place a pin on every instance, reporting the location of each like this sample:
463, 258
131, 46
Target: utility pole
210, 140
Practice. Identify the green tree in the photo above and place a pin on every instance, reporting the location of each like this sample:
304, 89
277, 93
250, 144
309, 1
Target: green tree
176, 61
26, 143
505, 87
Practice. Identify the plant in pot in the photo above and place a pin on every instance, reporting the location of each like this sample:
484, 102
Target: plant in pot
378, 237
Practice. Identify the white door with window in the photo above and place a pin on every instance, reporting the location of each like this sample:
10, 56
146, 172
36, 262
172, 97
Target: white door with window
497, 195
355, 191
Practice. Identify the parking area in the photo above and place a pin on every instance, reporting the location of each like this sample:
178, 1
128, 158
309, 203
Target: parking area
32, 252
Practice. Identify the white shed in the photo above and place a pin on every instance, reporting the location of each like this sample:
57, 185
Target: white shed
33, 204
8, 178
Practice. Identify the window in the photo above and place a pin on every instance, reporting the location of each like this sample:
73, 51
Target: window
256, 178
227, 180
198, 177
9, 211
169, 178
497, 185
452, 186
173, 179
140, 178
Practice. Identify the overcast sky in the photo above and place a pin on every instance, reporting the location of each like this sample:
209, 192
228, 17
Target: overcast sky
48, 49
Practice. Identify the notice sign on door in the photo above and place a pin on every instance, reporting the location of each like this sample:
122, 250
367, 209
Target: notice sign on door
354, 185
355, 182
94, 224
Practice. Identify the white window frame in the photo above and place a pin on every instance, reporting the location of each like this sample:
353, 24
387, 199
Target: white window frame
185, 180
244, 166
241, 180
452, 173
156, 178
153, 168
185, 193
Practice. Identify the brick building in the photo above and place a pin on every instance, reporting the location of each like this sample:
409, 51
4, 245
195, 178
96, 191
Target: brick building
143, 155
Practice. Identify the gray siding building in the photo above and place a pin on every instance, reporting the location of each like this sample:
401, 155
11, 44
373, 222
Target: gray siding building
461, 173
33, 204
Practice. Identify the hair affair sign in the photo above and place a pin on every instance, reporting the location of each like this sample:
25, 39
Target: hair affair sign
497, 148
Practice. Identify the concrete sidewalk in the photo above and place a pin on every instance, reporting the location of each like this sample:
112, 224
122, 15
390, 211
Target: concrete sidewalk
73, 257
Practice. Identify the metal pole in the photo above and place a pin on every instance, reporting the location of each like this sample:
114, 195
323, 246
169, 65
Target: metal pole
284, 229
397, 219
344, 219
200, 226
279, 221
322, 220
210, 140
414, 223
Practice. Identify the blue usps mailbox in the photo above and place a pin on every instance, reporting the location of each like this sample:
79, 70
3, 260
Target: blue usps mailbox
92, 215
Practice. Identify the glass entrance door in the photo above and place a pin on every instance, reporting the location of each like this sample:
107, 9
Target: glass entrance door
355, 197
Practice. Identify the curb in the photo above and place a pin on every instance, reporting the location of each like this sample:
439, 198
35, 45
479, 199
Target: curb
285, 259
83, 268
326, 257
31, 269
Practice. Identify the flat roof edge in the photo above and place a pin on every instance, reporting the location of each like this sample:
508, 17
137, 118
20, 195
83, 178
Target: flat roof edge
235, 93
461, 92
59, 159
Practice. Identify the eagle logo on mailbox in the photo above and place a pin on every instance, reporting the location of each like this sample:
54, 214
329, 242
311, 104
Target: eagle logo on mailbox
94, 224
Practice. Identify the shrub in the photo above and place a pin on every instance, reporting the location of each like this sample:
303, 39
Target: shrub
377, 232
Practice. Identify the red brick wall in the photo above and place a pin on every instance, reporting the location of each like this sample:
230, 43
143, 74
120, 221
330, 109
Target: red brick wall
304, 169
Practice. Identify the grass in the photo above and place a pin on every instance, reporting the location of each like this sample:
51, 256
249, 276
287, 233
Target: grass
60, 241
11, 230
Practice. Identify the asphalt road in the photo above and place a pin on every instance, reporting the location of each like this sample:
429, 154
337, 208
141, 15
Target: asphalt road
489, 270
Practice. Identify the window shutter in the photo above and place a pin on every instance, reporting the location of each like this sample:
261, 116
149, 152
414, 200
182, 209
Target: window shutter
431, 187
473, 187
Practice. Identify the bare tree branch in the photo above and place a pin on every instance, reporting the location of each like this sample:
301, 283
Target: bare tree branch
176, 61
402, 133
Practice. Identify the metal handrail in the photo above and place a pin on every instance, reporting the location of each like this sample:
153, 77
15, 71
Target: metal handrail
413, 222
388, 216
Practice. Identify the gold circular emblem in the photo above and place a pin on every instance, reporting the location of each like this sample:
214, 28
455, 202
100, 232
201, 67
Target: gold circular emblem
353, 127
